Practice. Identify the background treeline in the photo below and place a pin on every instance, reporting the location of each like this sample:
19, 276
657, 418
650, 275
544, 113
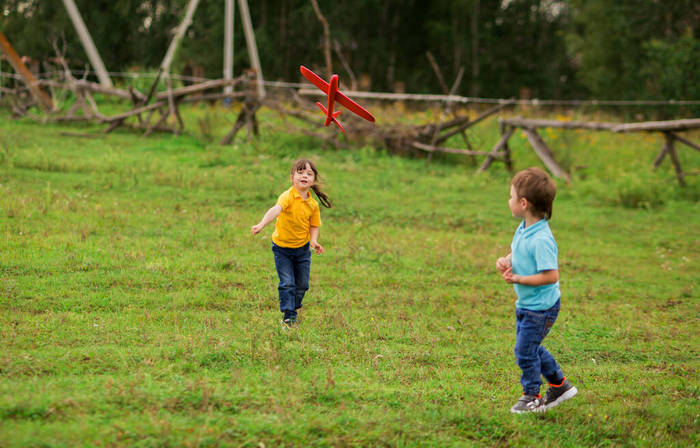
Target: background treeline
623, 49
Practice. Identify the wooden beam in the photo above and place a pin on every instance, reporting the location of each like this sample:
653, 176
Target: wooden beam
478, 119
546, 154
670, 125
26, 74
534, 124
213, 97
133, 112
95, 87
391, 96
430, 148
196, 88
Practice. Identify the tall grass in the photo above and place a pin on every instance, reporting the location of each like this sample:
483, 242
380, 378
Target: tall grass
137, 310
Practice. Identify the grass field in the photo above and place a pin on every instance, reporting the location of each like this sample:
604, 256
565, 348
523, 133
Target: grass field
137, 310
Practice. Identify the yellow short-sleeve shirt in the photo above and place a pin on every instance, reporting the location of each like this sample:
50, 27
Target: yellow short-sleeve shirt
295, 219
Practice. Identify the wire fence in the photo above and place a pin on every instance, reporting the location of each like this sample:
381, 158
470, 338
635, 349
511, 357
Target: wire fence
455, 99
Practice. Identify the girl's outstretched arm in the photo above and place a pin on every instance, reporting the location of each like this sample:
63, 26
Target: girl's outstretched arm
313, 233
267, 219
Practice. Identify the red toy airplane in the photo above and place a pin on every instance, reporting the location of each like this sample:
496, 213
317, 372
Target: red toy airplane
331, 89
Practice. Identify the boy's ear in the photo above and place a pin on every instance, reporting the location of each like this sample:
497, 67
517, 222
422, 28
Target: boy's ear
524, 203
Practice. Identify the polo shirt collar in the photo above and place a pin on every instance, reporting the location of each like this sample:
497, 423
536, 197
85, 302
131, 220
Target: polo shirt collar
296, 194
536, 227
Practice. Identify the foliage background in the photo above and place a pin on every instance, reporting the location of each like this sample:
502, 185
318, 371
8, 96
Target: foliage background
628, 49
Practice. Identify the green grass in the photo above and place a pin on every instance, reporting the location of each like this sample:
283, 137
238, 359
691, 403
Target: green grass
137, 310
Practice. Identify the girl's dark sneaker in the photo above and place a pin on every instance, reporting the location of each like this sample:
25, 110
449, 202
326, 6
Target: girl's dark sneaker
289, 323
556, 395
527, 403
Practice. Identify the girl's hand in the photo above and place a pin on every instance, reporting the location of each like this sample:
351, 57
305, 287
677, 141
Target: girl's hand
317, 247
509, 277
256, 229
502, 264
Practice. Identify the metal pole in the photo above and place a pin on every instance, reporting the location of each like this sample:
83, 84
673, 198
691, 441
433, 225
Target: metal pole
252, 47
88, 44
228, 44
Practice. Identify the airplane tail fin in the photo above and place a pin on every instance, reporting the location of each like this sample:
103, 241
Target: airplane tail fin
332, 117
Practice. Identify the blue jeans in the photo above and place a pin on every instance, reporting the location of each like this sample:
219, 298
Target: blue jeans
531, 327
293, 268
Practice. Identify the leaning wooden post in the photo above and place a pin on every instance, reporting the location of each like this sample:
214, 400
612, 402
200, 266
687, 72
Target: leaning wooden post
683, 140
88, 44
661, 155
26, 75
252, 46
174, 43
171, 101
506, 149
674, 157
496, 149
546, 154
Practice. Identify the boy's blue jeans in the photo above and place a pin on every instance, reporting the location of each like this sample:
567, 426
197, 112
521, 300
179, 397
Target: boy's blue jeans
531, 327
293, 268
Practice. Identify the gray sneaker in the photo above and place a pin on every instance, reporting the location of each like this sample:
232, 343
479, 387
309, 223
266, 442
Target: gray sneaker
556, 395
527, 403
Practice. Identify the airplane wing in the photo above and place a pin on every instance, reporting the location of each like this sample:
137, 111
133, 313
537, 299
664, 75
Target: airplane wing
353, 106
339, 97
314, 79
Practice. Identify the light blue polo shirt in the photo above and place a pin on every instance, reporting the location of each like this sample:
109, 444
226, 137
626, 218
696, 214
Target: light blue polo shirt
534, 250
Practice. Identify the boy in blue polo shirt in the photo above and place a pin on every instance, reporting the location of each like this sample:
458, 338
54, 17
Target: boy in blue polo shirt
531, 267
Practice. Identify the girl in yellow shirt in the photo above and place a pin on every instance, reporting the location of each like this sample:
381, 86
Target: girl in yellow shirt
296, 230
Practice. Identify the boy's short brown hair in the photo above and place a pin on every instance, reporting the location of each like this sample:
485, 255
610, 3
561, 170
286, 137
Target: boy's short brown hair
535, 185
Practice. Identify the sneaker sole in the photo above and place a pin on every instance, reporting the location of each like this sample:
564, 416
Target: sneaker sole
524, 412
565, 396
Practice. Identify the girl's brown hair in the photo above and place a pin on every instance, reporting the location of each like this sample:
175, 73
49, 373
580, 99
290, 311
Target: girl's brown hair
300, 165
537, 187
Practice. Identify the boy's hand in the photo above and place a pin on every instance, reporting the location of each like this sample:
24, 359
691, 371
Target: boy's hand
256, 229
317, 247
502, 264
509, 277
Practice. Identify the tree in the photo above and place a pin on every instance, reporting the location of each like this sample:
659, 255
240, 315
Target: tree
632, 49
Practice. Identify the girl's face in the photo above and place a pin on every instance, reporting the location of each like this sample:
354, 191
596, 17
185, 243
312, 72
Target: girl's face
516, 203
303, 179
